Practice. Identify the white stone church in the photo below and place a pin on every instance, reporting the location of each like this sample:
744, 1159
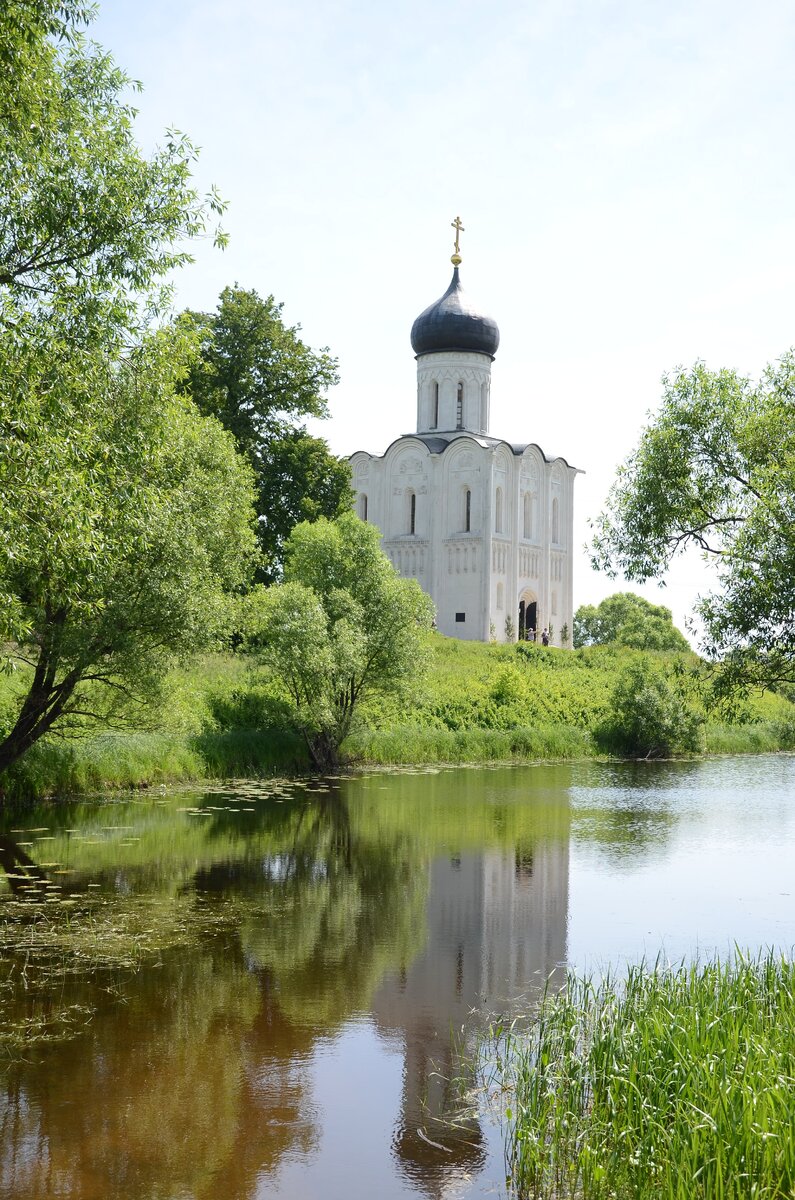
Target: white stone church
484, 525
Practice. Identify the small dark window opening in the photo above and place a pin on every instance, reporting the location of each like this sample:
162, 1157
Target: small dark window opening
363, 506
468, 511
412, 513
460, 617
459, 407
435, 421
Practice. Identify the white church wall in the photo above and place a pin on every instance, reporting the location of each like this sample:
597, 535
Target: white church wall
478, 572
406, 464
447, 371
531, 469
461, 576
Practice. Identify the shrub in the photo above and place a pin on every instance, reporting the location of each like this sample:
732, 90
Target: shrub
648, 717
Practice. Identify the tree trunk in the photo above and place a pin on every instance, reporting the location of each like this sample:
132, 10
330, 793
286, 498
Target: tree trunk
324, 751
45, 700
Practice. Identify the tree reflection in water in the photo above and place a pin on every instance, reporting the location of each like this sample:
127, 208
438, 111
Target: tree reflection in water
412, 910
200, 1074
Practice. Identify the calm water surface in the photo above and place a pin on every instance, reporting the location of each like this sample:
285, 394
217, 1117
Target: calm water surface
309, 949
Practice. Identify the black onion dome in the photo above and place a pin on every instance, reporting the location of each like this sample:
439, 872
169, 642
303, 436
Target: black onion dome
451, 323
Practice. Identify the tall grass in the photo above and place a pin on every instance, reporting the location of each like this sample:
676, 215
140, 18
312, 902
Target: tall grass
411, 745
115, 761
759, 738
677, 1084
254, 752
106, 761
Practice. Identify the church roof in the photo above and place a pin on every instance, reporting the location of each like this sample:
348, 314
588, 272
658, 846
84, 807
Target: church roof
453, 323
437, 443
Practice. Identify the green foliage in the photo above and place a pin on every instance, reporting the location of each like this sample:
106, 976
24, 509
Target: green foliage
715, 470
124, 516
509, 686
299, 480
257, 376
255, 373
221, 715
629, 620
106, 762
759, 737
397, 746
125, 520
675, 1083
87, 223
343, 626
649, 718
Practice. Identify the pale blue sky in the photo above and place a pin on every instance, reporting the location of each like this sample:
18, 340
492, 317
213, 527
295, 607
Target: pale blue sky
625, 173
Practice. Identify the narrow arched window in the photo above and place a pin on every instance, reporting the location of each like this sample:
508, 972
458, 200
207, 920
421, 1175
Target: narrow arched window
467, 511
412, 512
555, 520
498, 511
363, 506
459, 407
484, 408
527, 516
434, 406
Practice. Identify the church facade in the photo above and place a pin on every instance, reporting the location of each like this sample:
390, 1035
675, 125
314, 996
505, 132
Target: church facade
484, 525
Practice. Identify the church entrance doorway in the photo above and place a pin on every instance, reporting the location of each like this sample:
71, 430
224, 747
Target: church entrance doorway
528, 618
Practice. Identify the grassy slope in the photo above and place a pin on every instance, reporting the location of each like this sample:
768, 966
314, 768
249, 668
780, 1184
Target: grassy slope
477, 703
490, 702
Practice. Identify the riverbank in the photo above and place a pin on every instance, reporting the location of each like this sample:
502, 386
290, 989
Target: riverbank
221, 717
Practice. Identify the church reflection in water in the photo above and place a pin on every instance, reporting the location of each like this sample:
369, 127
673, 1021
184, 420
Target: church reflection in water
496, 933
340, 913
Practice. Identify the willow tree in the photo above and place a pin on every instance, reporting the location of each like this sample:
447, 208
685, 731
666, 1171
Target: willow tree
343, 626
715, 471
126, 520
125, 517
87, 221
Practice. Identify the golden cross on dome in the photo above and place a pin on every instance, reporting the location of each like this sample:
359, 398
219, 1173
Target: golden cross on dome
458, 227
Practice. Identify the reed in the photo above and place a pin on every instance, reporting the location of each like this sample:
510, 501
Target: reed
676, 1084
386, 747
104, 762
761, 737
117, 761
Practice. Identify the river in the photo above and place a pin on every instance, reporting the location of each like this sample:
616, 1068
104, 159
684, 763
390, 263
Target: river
268, 984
